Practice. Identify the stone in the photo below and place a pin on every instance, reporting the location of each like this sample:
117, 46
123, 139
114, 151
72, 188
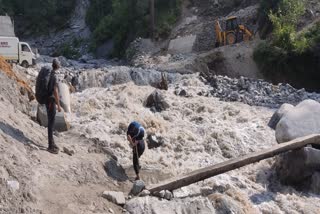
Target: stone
61, 123
296, 167
64, 95
14, 185
168, 195
144, 193
68, 151
161, 194
138, 186
276, 117
154, 141
115, 197
156, 101
183, 93
300, 121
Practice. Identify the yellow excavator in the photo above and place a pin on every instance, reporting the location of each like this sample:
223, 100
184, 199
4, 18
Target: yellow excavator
233, 33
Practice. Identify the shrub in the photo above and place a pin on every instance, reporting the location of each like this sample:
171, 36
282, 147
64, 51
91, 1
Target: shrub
38, 16
122, 21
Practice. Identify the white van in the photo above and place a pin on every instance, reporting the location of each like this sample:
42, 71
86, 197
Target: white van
18, 52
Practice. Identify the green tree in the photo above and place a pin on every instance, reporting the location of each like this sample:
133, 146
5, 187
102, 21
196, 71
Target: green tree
284, 21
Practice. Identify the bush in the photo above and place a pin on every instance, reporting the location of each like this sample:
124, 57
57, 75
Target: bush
69, 49
290, 56
38, 16
284, 21
122, 21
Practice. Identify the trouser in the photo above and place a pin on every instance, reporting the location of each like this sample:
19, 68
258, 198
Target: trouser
137, 152
51, 113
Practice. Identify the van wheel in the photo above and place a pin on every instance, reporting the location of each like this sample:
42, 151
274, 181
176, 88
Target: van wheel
25, 64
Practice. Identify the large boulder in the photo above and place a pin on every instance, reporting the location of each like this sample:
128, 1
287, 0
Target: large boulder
276, 117
296, 167
302, 120
300, 168
156, 101
61, 124
64, 93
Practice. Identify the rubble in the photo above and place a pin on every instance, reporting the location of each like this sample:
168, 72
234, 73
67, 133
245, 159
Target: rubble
257, 92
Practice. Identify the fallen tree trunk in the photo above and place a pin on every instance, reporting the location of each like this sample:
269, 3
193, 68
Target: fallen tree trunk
232, 164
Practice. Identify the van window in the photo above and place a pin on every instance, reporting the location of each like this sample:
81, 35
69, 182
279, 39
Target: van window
25, 48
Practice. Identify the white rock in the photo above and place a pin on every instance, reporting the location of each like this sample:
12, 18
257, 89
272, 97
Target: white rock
300, 121
115, 197
14, 185
162, 193
168, 195
144, 193
276, 117
61, 124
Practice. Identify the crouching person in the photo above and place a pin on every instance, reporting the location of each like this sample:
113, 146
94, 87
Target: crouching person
135, 135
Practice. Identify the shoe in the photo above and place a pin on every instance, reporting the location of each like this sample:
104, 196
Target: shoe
137, 178
53, 149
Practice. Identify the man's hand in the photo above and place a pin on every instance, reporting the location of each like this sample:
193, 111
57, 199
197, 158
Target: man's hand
59, 108
132, 144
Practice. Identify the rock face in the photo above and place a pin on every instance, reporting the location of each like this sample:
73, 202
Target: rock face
115, 197
297, 167
182, 44
302, 120
156, 101
61, 124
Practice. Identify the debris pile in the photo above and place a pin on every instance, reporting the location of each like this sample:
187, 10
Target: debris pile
257, 92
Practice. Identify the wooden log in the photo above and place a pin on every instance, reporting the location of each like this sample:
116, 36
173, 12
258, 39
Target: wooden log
232, 164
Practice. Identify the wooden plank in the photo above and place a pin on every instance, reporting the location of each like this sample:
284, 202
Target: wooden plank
232, 164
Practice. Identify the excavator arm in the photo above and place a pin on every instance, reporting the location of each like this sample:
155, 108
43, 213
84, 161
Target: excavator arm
247, 34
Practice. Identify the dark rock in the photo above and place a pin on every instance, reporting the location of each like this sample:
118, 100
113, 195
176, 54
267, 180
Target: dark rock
297, 167
154, 141
156, 101
183, 93
138, 186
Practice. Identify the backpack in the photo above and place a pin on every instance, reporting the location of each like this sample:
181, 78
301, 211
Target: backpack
42, 83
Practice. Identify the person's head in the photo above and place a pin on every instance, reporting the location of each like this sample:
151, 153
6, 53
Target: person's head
55, 64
